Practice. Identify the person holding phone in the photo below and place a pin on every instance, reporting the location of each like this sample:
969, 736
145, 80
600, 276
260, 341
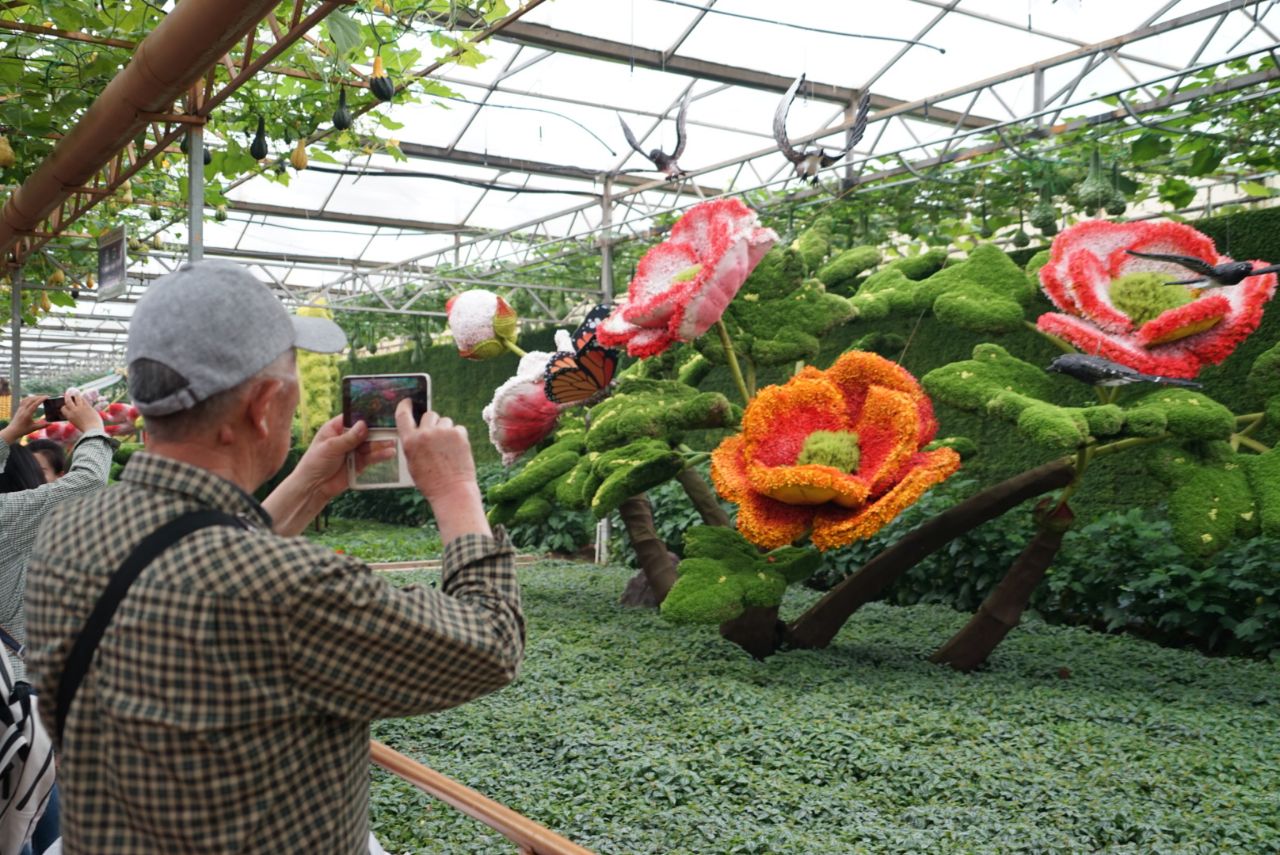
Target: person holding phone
227, 704
26, 498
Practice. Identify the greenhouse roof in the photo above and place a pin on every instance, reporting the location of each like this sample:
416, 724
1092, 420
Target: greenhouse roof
528, 158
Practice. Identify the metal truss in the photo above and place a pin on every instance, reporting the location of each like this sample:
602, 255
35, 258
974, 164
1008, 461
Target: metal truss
627, 213
944, 130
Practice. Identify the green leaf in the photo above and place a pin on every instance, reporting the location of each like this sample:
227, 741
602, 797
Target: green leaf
346, 33
61, 298
1254, 188
1177, 192
1205, 161
1148, 147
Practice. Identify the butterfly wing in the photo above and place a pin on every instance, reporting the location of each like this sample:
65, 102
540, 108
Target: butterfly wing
585, 334
574, 378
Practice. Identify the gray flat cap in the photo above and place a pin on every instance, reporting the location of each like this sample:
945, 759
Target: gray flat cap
216, 326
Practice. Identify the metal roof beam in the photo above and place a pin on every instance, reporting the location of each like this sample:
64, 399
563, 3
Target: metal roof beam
540, 35
329, 216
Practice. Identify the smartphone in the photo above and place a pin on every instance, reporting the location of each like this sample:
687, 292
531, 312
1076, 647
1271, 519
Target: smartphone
372, 399
53, 409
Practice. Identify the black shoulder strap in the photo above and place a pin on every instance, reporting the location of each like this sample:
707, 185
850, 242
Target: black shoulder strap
81, 656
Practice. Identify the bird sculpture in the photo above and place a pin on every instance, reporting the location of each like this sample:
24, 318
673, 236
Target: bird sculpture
665, 163
1231, 273
811, 160
1100, 371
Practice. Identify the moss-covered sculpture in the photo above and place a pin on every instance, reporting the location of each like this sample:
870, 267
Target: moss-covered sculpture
845, 267
722, 574
779, 314
630, 447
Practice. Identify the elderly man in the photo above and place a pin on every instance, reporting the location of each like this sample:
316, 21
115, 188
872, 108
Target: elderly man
227, 708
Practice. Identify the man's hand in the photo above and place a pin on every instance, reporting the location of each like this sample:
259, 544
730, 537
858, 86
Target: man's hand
440, 463
324, 465
24, 419
320, 475
81, 414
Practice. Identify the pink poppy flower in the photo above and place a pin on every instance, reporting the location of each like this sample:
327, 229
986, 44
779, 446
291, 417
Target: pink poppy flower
480, 322
683, 285
1110, 308
520, 415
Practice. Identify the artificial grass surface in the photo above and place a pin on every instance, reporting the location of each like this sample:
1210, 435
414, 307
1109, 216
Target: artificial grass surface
374, 541
630, 735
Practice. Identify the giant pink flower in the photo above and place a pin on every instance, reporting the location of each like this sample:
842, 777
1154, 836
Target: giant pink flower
521, 415
1091, 278
683, 285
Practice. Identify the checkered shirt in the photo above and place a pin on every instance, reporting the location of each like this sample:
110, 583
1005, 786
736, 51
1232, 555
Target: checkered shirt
228, 706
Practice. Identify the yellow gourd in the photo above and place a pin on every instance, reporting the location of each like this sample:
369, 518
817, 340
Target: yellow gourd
299, 156
57, 277
6, 153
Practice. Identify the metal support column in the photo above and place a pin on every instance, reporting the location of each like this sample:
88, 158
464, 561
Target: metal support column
606, 295
15, 320
1037, 97
195, 193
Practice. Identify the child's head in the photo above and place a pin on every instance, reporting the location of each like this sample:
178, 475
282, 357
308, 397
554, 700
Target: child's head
50, 456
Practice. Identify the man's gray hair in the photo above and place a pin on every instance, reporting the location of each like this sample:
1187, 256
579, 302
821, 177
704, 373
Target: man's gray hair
151, 381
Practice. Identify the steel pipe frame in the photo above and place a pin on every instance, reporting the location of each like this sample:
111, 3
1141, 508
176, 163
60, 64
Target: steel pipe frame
1218, 10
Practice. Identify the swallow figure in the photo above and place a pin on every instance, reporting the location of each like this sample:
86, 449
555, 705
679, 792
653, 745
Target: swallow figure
1100, 371
809, 162
665, 163
1231, 273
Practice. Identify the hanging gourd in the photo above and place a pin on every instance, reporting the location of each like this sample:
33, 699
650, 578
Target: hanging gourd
89, 283
1117, 203
57, 277
299, 156
379, 83
126, 192
1095, 191
7, 157
258, 148
220, 213
342, 116
154, 213
1044, 215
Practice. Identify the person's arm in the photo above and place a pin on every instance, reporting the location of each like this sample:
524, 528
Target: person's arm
320, 476
22, 423
362, 649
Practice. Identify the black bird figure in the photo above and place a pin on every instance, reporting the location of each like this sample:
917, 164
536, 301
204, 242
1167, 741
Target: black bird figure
808, 162
666, 163
1231, 273
1100, 371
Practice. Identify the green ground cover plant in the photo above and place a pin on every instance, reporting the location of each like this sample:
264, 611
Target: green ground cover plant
375, 541
632, 735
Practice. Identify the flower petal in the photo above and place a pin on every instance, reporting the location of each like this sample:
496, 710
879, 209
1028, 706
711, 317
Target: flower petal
763, 521
834, 527
887, 429
856, 371
519, 416
1171, 360
1193, 318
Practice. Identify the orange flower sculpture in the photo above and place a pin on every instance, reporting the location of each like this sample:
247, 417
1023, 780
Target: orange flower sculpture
835, 453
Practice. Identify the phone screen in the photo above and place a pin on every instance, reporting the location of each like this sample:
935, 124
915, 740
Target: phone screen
373, 399
53, 409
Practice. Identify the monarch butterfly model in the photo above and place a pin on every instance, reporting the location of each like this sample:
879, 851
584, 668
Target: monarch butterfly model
583, 375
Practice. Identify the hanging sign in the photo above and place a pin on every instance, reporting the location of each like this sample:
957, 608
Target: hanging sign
113, 258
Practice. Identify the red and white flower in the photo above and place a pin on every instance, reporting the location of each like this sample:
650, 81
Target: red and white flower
481, 323
521, 415
1086, 262
683, 285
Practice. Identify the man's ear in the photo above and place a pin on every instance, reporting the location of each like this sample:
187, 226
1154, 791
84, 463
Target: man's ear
257, 404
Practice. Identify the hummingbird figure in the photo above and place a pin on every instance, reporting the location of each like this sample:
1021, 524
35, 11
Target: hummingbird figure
665, 163
1100, 371
812, 159
1230, 273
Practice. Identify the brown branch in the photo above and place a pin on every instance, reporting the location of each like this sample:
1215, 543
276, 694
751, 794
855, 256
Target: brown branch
703, 498
817, 626
1002, 610
651, 552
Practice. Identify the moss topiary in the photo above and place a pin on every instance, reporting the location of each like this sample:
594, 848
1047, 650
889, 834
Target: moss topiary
814, 243
632, 469
844, 267
920, 266
971, 308
1187, 414
655, 408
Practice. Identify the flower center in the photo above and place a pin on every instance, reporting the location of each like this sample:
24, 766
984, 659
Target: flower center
688, 274
1146, 296
838, 449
